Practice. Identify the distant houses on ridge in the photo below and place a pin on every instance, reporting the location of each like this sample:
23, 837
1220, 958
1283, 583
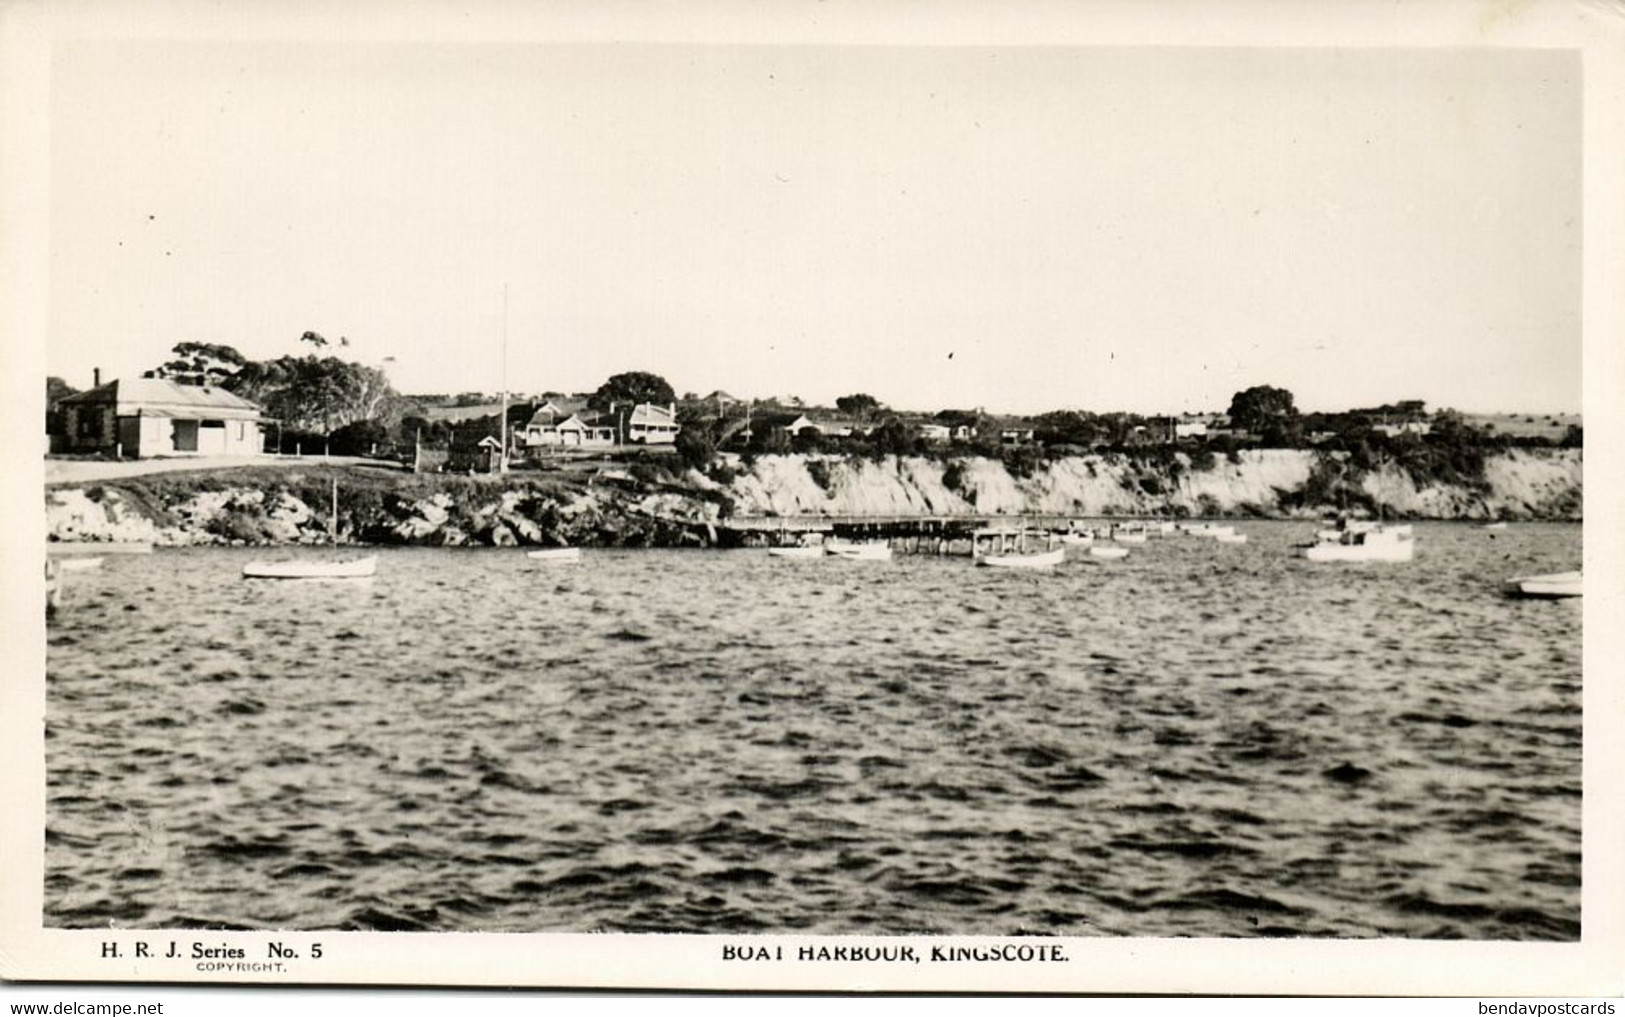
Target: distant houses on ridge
556, 424
155, 416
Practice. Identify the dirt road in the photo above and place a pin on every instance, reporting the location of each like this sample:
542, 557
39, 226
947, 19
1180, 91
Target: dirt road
90, 471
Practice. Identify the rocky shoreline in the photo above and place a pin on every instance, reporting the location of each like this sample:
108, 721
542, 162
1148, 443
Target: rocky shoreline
290, 506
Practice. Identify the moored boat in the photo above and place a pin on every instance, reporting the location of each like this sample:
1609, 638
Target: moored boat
1554, 586
64, 548
1230, 538
316, 568
78, 563
1376, 543
799, 553
355, 568
1359, 526
556, 555
877, 551
1100, 551
1038, 560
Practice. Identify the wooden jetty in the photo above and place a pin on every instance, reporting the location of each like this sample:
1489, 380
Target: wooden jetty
914, 534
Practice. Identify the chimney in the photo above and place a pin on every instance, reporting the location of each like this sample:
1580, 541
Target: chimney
95, 377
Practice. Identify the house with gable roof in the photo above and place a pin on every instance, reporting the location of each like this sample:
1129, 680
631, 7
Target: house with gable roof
649, 424
556, 426
143, 417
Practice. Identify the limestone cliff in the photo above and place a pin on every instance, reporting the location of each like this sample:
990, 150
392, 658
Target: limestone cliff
269, 507
1270, 482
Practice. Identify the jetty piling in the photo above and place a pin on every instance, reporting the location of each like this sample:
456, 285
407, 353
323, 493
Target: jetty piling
941, 535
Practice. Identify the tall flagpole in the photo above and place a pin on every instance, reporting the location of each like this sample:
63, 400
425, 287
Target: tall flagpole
502, 456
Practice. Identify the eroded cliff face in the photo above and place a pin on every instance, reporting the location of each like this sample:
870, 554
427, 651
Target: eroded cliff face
1517, 485
493, 516
1268, 482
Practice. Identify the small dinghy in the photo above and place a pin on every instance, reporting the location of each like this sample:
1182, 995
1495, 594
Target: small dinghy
1040, 560
860, 552
1549, 587
316, 568
555, 555
357, 568
797, 553
1108, 552
78, 564
97, 547
1230, 538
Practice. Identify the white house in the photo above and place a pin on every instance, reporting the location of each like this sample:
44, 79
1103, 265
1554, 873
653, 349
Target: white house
141, 417
652, 425
545, 431
835, 427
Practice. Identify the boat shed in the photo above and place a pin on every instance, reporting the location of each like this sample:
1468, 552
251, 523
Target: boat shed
142, 417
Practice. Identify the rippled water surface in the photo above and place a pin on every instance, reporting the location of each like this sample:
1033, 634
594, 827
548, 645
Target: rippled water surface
1202, 739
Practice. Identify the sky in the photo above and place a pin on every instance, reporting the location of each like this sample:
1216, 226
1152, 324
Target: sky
1020, 229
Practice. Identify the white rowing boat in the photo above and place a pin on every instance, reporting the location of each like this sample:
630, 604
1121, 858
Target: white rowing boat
1040, 560
316, 568
1548, 587
556, 555
796, 553
78, 564
355, 568
1098, 551
859, 552
63, 548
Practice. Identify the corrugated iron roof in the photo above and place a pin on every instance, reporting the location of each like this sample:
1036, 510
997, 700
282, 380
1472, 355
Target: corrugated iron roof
151, 394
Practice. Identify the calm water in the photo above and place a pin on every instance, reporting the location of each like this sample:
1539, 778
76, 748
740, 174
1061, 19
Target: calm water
1201, 740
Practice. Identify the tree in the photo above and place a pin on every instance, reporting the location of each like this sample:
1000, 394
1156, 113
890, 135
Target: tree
1254, 409
696, 445
359, 438
200, 364
1066, 427
1282, 432
859, 404
894, 438
632, 387
56, 389
318, 395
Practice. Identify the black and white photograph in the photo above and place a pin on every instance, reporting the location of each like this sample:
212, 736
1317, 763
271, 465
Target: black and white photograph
775, 503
